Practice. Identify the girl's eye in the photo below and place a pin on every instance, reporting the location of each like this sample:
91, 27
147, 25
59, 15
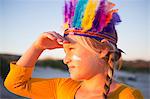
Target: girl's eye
71, 48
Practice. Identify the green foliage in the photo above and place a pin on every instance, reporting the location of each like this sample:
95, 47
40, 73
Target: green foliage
52, 63
5, 60
136, 66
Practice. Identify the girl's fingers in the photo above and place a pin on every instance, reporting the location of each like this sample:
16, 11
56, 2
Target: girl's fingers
59, 37
55, 36
50, 36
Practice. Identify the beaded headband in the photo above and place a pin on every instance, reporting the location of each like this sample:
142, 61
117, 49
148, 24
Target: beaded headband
91, 18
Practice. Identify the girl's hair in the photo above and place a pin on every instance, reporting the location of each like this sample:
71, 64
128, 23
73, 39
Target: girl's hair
112, 58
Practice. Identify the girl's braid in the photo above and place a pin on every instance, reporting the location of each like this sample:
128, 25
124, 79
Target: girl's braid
109, 74
111, 58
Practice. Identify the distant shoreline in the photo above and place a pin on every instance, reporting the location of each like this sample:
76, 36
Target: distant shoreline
130, 66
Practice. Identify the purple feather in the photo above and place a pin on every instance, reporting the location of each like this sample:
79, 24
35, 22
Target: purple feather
69, 11
110, 28
115, 19
74, 2
66, 12
100, 17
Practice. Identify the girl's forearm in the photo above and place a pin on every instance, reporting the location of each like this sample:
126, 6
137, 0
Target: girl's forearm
30, 57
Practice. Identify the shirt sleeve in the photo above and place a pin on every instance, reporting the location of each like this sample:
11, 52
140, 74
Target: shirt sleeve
137, 94
19, 81
130, 93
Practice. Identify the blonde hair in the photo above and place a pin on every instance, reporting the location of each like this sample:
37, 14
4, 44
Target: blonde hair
112, 58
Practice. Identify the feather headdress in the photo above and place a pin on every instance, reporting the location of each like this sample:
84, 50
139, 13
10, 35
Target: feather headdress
91, 18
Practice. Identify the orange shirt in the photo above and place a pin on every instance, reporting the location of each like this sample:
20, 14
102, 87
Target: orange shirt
19, 81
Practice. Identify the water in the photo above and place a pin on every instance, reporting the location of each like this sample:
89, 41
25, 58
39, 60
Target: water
140, 81
137, 80
49, 72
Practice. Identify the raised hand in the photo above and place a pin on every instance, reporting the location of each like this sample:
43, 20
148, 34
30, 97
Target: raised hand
50, 40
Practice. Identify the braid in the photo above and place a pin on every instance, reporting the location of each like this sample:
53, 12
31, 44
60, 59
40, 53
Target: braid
109, 74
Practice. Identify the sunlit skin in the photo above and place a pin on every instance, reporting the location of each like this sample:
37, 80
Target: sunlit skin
85, 66
76, 58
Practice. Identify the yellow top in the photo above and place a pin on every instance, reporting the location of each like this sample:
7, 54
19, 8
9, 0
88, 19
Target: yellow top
19, 81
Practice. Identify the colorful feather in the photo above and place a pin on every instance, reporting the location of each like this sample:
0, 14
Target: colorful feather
115, 19
89, 15
99, 20
109, 16
72, 11
109, 6
65, 26
79, 13
69, 10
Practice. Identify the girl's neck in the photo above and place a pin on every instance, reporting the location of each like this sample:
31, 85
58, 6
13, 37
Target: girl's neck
95, 83
94, 88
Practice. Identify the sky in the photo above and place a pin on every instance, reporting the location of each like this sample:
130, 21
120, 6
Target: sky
22, 21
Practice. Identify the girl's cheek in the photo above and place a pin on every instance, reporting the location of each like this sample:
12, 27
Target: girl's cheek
76, 58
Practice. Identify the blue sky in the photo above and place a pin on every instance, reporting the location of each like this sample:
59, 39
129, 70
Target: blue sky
22, 21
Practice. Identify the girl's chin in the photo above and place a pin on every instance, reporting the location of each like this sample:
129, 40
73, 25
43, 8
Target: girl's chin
77, 78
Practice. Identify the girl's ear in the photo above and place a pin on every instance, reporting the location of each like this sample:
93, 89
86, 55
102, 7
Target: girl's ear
103, 53
104, 41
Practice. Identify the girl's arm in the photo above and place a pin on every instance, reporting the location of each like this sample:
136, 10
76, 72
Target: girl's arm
30, 57
47, 40
19, 79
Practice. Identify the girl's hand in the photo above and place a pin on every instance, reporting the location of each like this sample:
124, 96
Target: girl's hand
50, 40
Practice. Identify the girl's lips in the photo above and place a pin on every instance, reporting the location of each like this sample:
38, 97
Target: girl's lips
71, 68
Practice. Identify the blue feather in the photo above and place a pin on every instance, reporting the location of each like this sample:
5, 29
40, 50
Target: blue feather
79, 13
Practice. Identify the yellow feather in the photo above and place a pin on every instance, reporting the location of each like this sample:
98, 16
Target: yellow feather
65, 26
89, 14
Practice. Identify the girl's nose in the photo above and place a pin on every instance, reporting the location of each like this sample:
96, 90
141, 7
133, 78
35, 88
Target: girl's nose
66, 60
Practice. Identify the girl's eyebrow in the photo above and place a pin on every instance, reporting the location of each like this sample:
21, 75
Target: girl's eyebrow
69, 46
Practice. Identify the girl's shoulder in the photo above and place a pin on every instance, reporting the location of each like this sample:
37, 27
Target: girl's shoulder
66, 81
125, 91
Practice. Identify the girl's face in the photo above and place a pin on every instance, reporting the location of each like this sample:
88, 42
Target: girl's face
82, 63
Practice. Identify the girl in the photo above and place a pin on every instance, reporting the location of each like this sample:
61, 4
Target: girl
91, 56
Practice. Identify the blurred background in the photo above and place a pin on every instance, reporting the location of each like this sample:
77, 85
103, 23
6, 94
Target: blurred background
22, 21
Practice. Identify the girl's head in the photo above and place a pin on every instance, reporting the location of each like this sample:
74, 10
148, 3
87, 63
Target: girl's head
87, 57
83, 62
